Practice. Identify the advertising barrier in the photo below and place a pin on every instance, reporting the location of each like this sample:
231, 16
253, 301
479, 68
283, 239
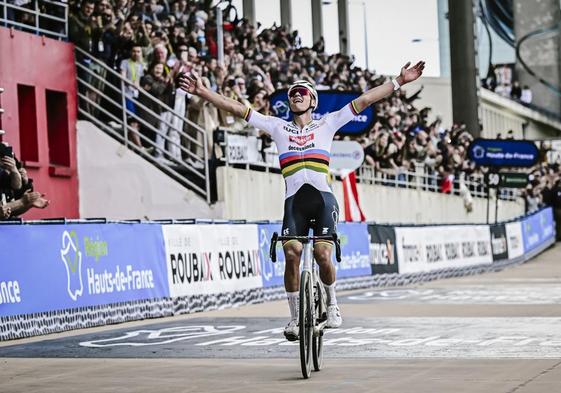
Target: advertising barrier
383, 256
537, 229
354, 253
355, 259
207, 259
272, 273
499, 242
61, 277
423, 249
514, 240
55, 267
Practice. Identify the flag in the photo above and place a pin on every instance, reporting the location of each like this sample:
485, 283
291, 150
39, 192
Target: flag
353, 211
447, 184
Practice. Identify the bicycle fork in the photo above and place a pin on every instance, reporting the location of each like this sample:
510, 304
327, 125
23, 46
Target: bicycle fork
308, 265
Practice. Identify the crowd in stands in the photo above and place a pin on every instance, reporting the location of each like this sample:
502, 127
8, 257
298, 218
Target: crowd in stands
17, 195
500, 80
151, 41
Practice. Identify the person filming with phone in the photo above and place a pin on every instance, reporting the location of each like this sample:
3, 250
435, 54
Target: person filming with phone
16, 189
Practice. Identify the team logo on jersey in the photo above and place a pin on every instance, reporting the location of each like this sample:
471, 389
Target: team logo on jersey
301, 140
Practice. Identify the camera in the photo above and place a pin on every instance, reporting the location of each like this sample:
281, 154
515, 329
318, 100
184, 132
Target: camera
6, 151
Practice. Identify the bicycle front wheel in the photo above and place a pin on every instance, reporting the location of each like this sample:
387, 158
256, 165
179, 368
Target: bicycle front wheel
320, 314
306, 323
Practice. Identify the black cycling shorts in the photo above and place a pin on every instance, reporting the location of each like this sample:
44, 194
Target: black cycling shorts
310, 204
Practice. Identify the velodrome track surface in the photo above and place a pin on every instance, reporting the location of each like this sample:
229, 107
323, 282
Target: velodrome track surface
498, 332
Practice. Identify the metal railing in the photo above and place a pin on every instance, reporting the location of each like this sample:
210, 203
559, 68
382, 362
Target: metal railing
420, 179
41, 17
423, 180
102, 100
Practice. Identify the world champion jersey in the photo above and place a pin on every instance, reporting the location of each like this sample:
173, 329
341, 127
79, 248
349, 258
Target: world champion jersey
303, 152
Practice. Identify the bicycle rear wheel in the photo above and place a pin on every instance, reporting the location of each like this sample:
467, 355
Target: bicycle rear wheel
321, 315
306, 323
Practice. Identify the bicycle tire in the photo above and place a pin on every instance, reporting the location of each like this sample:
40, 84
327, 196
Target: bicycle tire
317, 341
306, 324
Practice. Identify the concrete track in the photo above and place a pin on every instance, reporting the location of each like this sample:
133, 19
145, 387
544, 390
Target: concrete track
498, 332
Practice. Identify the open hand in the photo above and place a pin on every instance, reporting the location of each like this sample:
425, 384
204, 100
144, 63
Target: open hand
191, 82
5, 212
35, 199
409, 74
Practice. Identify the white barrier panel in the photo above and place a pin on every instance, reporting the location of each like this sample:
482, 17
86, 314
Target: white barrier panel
514, 241
207, 259
423, 249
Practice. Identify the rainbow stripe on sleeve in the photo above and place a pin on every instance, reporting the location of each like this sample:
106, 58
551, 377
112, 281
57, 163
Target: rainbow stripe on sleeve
247, 114
352, 105
315, 160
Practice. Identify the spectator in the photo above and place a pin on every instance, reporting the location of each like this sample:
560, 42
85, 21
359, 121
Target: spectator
557, 206
516, 91
526, 95
533, 199
200, 112
133, 69
503, 90
157, 85
16, 189
82, 26
177, 34
10, 177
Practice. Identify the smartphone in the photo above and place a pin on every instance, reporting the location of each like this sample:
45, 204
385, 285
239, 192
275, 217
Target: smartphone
6, 150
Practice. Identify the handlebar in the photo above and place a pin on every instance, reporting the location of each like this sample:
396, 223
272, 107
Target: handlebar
304, 239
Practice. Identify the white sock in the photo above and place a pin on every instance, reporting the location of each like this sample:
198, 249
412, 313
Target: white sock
293, 303
330, 291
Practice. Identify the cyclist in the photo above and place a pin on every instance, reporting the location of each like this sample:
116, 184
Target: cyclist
304, 147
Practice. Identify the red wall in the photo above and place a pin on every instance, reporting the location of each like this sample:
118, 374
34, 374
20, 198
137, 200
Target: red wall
44, 64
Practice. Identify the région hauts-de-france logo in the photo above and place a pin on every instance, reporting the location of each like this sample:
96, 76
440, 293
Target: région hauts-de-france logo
72, 259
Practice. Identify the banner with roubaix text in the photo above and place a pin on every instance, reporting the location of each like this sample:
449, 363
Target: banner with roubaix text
242, 149
55, 267
537, 229
354, 253
423, 249
207, 259
383, 257
514, 240
499, 242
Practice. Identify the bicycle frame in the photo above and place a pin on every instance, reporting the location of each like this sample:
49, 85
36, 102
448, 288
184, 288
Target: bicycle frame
312, 307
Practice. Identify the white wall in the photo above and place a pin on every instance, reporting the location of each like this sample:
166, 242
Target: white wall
118, 184
260, 196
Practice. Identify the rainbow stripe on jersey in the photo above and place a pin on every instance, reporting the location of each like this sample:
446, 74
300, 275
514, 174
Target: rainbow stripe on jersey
314, 160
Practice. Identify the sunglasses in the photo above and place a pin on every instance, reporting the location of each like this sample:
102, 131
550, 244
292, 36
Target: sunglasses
301, 90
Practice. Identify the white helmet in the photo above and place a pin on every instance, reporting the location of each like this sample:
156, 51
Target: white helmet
307, 85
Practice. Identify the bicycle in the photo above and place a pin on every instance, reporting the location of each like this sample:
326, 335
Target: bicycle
312, 307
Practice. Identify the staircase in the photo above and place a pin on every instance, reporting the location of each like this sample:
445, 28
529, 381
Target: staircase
101, 100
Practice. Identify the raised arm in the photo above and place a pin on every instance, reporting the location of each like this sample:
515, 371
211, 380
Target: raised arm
192, 83
371, 96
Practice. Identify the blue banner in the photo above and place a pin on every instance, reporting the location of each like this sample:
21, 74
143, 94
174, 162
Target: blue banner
503, 152
55, 267
537, 229
272, 273
354, 252
329, 101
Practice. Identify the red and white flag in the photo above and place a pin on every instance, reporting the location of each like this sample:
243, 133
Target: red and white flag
353, 211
